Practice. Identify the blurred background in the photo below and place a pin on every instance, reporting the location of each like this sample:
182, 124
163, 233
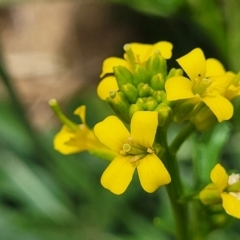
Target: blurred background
56, 49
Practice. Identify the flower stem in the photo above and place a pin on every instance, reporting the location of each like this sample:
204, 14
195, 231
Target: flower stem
181, 137
175, 189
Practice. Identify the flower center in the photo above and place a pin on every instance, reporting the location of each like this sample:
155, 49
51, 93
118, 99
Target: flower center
201, 85
137, 151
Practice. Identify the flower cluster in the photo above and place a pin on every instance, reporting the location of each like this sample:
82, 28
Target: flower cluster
137, 82
146, 95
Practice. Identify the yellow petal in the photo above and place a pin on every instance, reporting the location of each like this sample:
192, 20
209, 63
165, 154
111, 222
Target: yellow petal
231, 205
81, 112
193, 64
219, 177
152, 173
144, 127
112, 133
60, 140
111, 62
118, 174
221, 84
214, 68
178, 88
220, 106
143, 51
105, 86
164, 47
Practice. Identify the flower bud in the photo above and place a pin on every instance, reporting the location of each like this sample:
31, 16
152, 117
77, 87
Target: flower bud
210, 195
134, 108
141, 75
123, 76
157, 82
164, 114
156, 64
144, 90
119, 104
150, 104
175, 72
157, 95
130, 92
142, 103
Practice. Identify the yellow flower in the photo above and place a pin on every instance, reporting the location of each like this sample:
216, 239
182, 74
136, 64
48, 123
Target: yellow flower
228, 188
135, 151
74, 138
135, 54
208, 83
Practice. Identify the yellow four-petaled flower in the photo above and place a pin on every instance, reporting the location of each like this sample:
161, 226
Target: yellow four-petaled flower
135, 151
208, 83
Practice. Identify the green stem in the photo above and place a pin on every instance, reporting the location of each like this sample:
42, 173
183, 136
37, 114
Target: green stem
174, 189
181, 137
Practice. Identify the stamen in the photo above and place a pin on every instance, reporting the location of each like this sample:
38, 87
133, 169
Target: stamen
130, 140
149, 150
134, 159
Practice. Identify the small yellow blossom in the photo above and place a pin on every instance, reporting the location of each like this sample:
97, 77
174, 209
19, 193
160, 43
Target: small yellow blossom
135, 151
208, 83
226, 187
135, 54
76, 138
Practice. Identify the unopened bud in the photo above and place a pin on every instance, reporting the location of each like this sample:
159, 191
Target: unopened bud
156, 64
120, 105
157, 95
130, 92
123, 76
134, 108
144, 90
157, 82
164, 114
151, 104
175, 72
141, 75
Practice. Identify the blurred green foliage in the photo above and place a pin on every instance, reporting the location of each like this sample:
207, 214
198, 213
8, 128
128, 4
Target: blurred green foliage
47, 196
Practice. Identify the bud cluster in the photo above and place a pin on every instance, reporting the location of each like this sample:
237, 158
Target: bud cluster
142, 89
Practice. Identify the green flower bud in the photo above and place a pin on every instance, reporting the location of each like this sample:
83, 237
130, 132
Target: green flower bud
144, 90
141, 75
130, 92
156, 64
150, 104
175, 72
164, 114
119, 104
141, 102
157, 95
157, 82
134, 108
210, 195
123, 76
